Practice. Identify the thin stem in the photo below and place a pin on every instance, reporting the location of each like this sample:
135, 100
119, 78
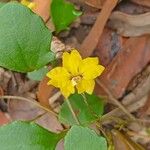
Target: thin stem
37, 117
90, 108
109, 140
31, 101
102, 130
84, 99
72, 111
115, 100
53, 98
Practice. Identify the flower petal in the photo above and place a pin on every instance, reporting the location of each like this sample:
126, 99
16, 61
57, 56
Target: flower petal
86, 86
90, 69
29, 4
68, 89
59, 76
71, 61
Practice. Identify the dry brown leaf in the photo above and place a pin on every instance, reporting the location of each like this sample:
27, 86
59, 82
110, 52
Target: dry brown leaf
108, 46
4, 119
5, 77
1, 91
95, 3
89, 45
130, 25
45, 92
123, 142
145, 110
22, 110
142, 2
42, 8
133, 57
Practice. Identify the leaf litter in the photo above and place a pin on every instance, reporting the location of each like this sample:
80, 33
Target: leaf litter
120, 39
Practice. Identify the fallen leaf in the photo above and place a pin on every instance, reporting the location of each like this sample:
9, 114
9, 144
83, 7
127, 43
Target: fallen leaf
45, 92
5, 77
108, 46
95, 3
3, 118
123, 142
1, 91
42, 8
130, 60
143, 2
130, 25
145, 110
89, 45
21, 110
132, 8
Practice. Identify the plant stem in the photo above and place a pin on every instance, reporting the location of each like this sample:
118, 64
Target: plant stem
31, 101
72, 111
37, 117
90, 108
122, 107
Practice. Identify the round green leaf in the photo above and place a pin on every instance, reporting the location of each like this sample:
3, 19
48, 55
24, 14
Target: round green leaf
82, 138
24, 39
85, 113
37, 75
1, 4
27, 136
63, 14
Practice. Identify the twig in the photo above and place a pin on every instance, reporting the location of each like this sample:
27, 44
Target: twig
53, 98
87, 46
130, 107
131, 133
37, 117
136, 97
31, 101
116, 101
72, 111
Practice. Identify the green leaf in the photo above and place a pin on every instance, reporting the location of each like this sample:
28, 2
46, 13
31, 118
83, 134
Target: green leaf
27, 136
63, 14
1, 4
37, 75
24, 39
85, 113
83, 138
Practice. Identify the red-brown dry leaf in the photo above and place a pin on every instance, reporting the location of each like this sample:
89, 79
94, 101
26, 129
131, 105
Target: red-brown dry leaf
143, 2
133, 57
122, 142
132, 8
1, 91
130, 25
91, 41
42, 8
3, 119
22, 110
145, 110
45, 92
109, 44
95, 3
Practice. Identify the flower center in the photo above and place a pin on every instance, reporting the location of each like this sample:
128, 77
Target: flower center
75, 80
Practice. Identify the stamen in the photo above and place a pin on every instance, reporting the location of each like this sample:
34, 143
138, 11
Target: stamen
76, 80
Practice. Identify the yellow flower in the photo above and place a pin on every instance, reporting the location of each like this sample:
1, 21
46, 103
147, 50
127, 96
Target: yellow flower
27, 3
75, 74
